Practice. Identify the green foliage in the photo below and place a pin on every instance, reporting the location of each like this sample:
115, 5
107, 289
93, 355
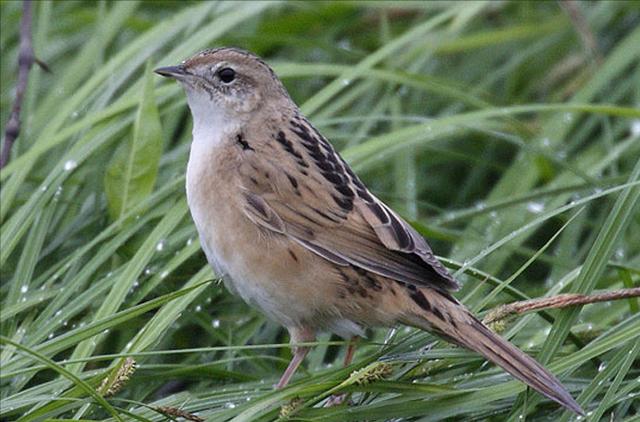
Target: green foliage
132, 171
508, 132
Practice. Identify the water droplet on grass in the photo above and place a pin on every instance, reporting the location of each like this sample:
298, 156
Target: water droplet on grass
535, 207
567, 117
70, 165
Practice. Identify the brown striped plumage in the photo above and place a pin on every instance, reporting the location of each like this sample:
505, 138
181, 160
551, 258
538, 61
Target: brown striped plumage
293, 231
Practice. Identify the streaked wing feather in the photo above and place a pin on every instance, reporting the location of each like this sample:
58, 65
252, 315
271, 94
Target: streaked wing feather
323, 206
398, 235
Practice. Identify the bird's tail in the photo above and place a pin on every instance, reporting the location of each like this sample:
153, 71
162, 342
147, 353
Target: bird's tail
444, 315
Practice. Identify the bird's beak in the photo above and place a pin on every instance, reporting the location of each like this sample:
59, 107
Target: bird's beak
176, 72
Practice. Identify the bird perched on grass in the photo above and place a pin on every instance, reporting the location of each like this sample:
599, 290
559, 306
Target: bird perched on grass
293, 231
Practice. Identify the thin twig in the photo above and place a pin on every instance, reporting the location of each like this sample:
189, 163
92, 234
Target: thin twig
26, 59
559, 301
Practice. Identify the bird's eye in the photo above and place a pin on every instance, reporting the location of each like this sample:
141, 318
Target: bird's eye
227, 75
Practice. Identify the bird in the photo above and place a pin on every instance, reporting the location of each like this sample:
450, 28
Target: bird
293, 231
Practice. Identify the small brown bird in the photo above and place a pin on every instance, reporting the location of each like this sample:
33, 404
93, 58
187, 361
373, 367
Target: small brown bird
294, 232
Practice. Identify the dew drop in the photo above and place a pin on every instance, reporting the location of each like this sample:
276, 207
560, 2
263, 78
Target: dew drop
70, 165
535, 207
346, 82
198, 308
567, 117
215, 323
602, 366
345, 44
635, 128
24, 289
160, 246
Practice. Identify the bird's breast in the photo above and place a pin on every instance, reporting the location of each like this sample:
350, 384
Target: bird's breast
254, 264
209, 194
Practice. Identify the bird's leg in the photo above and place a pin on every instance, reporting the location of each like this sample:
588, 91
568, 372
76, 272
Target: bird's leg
351, 351
298, 335
297, 359
338, 399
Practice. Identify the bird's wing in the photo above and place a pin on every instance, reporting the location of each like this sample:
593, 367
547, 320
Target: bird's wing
300, 187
